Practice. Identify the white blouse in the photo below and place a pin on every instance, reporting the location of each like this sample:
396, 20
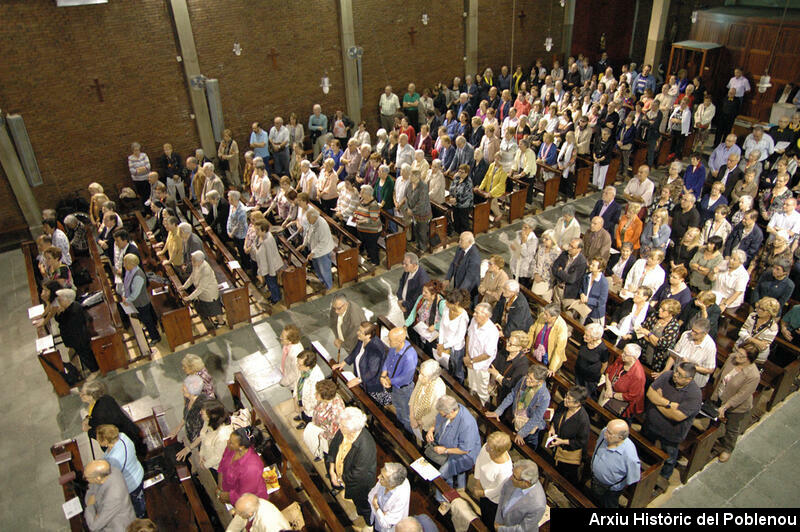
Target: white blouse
453, 332
491, 474
638, 277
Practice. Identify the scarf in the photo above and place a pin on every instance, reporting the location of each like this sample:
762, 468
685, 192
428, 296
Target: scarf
424, 401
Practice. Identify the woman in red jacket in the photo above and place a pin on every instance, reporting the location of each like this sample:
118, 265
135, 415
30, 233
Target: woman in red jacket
623, 393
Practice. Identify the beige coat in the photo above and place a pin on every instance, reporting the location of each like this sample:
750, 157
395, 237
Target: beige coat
204, 282
491, 287
738, 393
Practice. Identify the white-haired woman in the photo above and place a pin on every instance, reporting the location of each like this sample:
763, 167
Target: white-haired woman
352, 460
592, 359
194, 365
543, 260
745, 203
206, 291
192, 421
523, 252
390, 497
72, 322
435, 180
139, 167
422, 405
420, 164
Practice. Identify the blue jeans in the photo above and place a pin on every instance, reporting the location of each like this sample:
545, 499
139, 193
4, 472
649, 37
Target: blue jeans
137, 499
454, 472
391, 226
322, 267
274, 289
668, 447
401, 395
457, 364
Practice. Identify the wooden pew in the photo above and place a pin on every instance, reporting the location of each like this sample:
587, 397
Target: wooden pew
394, 244
550, 187
294, 276
70, 467
347, 258
515, 199
317, 512
663, 150
639, 155
613, 168
406, 451
438, 226
583, 175
170, 302
489, 425
480, 216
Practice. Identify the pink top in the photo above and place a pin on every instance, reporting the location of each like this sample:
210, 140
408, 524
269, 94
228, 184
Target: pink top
243, 475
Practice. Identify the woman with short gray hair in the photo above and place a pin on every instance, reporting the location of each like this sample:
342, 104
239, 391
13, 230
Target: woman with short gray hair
73, 324
192, 422
427, 391
206, 291
390, 497
351, 461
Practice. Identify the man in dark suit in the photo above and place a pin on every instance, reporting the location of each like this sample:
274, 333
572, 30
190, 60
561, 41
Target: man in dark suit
568, 271
730, 174
747, 236
465, 154
345, 318
626, 257
465, 271
608, 209
411, 282
477, 131
357, 469
217, 217
522, 501
461, 105
511, 312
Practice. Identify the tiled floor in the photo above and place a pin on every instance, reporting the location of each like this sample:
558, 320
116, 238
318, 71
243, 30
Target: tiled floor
34, 417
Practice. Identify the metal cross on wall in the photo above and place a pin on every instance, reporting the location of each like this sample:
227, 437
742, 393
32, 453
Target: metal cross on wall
411, 34
521, 17
273, 55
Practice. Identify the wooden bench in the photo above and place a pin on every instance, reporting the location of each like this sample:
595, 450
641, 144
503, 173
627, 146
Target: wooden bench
491, 424
70, 468
296, 480
514, 199
294, 275
583, 175
548, 188
347, 258
638, 154
394, 244
405, 451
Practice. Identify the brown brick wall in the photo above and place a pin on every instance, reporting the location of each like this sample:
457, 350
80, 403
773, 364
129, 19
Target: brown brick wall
130, 46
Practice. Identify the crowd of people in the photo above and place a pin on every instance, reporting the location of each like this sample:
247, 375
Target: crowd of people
681, 251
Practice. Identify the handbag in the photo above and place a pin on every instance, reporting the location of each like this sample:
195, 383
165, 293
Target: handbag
540, 354
615, 406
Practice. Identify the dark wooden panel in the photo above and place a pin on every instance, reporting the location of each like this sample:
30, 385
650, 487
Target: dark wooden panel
738, 36
237, 305
480, 217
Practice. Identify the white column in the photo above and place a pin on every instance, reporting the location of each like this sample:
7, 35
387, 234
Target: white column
471, 39
655, 35
349, 65
19, 183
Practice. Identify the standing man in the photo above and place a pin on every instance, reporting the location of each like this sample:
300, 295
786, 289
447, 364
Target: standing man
568, 271
345, 318
615, 464
411, 282
279, 145
522, 501
59, 238
482, 337
258, 142
388, 104
135, 293
410, 106
319, 243
465, 270
729, 109
674, 399
108, 505
740, 84
397, 376
317, 129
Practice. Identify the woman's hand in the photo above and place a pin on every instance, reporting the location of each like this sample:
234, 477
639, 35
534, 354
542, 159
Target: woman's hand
85, 424
183, 453
429, 437
337, 366
352, 383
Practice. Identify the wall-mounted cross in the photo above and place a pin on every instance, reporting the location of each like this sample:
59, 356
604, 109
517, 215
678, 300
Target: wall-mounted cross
273, 55
411, 34
521, 17
99, 88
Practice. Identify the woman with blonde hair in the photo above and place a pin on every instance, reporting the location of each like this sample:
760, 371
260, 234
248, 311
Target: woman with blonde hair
761, 326
290, 348
630, 227
493, 468
684, 251
96, 208
194, 365
326, 186
655, 235
491, 286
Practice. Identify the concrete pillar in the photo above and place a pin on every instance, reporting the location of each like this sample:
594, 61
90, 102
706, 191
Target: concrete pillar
471, 38
655, 35
566, 33
349, 68
191, 68
19, 183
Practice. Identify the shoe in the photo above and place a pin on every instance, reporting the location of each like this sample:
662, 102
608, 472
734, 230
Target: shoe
297, 418
301, 425
724, 456
336, 490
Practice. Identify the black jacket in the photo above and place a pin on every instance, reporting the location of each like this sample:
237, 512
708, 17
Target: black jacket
219, 224
733, 177
519, 316
360, 464
614, 259
73, 324
571, 277
371, 364
106, 411
610, 217
414, 288
465, 270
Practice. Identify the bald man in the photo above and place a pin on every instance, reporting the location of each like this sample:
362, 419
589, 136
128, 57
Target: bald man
257, 515
108, 505
615, 464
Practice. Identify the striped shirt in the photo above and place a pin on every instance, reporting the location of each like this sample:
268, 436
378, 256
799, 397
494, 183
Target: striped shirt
368, 217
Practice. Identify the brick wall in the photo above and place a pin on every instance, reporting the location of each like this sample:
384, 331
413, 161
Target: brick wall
57, 53
131, 48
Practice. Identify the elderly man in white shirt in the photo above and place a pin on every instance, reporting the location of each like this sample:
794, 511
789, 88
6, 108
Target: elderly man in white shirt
405, 152
697, 347
640, 190
390, 497
757, 140
730, 280
389, 104
257, 515
482, 337
567, 228
788, 221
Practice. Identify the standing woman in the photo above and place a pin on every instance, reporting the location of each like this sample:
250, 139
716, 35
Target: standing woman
296, 134
523, 252
428, 389
367, 360
541, 269
241, 466
452, 333
193, 365
352, 460
326, 186
290, 349
428, 310
570, 433
214, 435
418, 203
367, 218
493, 468
228, 154
139, 167
462, 198
510, 365
304, 390
736, 384
103, 409
205, 295
567, 155
249, 168
121, 454
325, 421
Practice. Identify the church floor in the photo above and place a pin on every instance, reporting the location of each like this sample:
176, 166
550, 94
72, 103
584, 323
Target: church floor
34, 417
